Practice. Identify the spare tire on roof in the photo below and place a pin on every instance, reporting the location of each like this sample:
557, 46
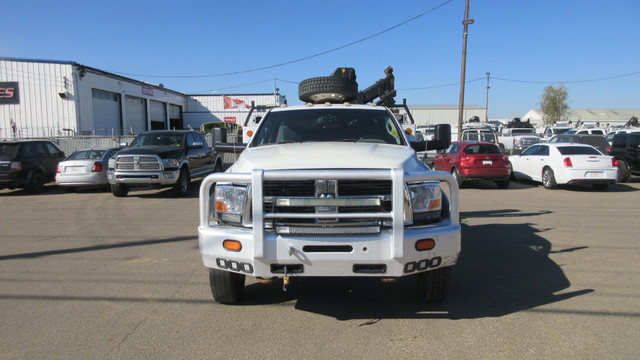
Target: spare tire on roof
328, 89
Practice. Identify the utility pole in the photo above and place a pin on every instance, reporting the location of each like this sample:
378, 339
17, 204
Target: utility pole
486, 106
466, 24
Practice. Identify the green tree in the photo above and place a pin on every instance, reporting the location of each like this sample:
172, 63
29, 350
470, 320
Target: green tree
554, 103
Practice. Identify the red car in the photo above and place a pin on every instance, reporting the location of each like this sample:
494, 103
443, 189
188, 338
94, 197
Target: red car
474, 161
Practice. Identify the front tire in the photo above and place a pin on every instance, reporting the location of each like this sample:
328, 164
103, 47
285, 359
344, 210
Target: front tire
119, 190
433, 285
226, 287
182, 186
549, 179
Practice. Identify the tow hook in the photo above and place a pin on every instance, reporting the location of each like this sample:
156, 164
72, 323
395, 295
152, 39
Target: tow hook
285, 280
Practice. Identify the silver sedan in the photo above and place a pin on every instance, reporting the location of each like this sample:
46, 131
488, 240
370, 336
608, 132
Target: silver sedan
86, 167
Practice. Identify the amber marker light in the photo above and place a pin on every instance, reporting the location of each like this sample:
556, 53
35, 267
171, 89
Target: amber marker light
232, 245
408, 131
220, 206
425, 244
250, 133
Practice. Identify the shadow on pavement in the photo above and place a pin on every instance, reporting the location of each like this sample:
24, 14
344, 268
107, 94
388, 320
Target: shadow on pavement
503, 268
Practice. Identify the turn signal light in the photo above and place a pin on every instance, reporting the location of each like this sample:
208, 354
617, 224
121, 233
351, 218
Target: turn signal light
232, 245
425, 244
408, 131
250, 133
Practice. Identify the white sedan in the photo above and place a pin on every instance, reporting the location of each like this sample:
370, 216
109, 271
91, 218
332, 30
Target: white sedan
565, 163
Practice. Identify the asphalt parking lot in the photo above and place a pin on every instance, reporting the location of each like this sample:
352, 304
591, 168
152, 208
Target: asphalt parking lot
543, 274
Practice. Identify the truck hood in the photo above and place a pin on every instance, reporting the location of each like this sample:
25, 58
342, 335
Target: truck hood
328, 155
162, 151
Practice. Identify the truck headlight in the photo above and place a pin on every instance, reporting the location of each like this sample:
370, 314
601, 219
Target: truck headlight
112, 163
229, 202
423, 203
169, 163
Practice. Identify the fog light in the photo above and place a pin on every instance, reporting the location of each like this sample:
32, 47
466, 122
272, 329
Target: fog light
425, 244
232, 245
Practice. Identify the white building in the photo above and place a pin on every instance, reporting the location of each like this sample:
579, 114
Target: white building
41, 98
444, 114
613, 117
61, 97
232, 108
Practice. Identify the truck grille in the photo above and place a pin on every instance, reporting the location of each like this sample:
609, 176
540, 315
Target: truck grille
138, 163
327, 197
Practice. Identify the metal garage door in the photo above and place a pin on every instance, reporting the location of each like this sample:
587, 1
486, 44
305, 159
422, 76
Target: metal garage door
175, 117
106, 113
136, 115
158, 115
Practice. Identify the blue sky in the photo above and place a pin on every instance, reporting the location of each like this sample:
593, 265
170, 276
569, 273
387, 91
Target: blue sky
593, 47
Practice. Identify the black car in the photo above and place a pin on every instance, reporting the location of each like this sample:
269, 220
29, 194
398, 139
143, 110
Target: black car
597, 141
625, 147
28, 164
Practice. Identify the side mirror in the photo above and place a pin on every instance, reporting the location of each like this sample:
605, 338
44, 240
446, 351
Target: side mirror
418, 145
441, 139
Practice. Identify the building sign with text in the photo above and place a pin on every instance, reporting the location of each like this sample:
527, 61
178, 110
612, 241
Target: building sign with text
9, 93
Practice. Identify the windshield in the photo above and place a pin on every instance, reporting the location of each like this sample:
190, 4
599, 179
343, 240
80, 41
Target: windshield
158, 140
347, 125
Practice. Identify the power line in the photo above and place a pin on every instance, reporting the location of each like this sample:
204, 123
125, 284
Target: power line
292, 61
523, 81
567, 82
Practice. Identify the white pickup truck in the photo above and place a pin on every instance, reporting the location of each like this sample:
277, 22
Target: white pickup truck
330, 190
514, 140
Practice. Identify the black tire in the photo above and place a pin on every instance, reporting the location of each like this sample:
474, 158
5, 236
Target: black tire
36, 183
600, 187
512, 175
433, 285
458, 177
327, 88
219, 167
226, 287
182, 186
549, 179
119, 190
502, 184
624, 174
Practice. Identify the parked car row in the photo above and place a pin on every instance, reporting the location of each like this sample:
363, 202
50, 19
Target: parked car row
552, 164
165, 158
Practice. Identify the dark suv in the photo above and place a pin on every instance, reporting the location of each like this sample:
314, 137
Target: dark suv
28, 164
625, 147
